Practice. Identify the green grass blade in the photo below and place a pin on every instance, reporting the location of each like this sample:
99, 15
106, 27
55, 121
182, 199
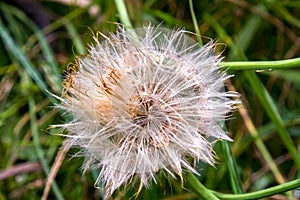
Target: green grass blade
267, 156
195, 23
278, 7
235, 49
168, 19
264, 132
47, 52
124, 17
272, 112
61, 22
235, 179
244, 37
291, 76
15, 50
231, 164
12, 24
39, 150
75, 37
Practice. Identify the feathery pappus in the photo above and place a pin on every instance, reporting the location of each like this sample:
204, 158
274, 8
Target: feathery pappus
146, 102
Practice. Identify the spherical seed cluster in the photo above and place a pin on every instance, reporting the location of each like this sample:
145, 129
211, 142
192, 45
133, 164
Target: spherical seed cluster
145, 102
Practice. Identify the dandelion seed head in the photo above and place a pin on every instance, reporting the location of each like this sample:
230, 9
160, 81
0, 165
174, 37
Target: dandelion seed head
145, 103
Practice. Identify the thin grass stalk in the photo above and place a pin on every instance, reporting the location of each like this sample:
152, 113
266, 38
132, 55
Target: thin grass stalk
47, 52
37, 145
75, 37
235, 180
59, 23
267, 156
195, 23
258, 141
15, 50
272, 112
124, 17
230, 161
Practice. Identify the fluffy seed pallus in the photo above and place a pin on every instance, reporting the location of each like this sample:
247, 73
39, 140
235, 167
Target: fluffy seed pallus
145, 103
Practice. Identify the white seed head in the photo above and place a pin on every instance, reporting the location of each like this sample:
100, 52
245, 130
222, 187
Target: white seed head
145, 103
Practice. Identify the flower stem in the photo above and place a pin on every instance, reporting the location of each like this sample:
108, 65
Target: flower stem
262, 193
262, 65
198, 188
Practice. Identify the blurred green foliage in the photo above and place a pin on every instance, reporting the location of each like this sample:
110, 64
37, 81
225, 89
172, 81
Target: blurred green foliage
34, 56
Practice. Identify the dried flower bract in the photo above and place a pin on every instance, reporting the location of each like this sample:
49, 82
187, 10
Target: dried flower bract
146, 102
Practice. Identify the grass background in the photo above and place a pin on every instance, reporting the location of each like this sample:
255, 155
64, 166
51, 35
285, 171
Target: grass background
36, 45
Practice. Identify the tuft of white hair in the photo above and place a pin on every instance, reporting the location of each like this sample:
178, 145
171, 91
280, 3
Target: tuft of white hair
145, 103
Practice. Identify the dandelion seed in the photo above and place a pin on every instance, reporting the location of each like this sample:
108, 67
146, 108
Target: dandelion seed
145, 104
